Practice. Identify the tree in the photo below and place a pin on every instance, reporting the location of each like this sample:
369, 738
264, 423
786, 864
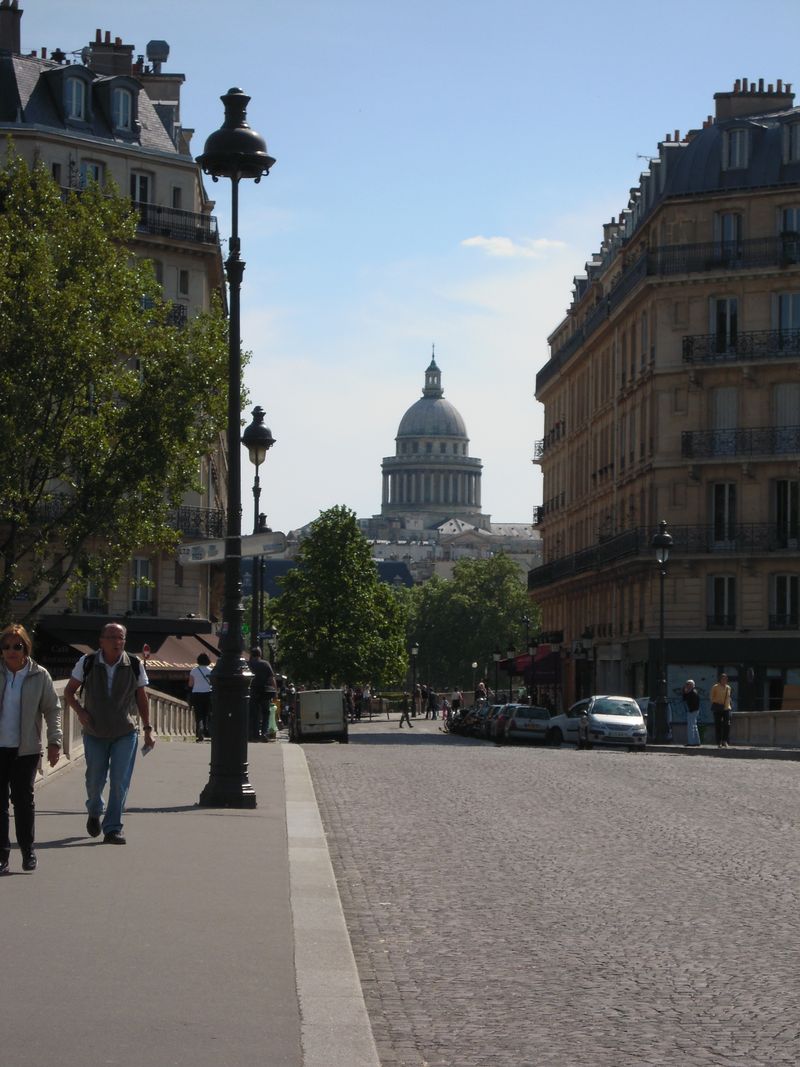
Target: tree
464, 619
338, 622
105, 405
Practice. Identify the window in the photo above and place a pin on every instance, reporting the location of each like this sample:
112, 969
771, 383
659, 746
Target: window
177, 196
142, 599
75, 98
790, 218
725, 322
93, 600
183, 283
735, 148
792, 143
140, 187
787, 513
723, 514
122, 109
91, 172
784, 602
728, 235
56, 172
443, 447
721, 602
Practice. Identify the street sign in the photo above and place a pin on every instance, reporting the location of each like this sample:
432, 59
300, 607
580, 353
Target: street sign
263, 544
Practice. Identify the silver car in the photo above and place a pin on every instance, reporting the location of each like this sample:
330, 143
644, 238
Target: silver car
609, 720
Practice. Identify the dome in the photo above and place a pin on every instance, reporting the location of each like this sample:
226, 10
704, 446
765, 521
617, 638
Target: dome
432, 415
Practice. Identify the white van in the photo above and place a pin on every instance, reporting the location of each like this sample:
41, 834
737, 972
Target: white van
319, 713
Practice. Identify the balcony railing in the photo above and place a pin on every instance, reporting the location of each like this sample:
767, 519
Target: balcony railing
745, 539
142, 607
759, 441
790, 621
720, 621
173, 222
93, 605
751, 345
782, 250
198, 522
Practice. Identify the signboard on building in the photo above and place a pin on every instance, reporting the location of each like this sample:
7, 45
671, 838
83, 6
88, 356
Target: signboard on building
262, 544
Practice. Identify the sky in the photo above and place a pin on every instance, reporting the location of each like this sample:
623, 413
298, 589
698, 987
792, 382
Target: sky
444, 169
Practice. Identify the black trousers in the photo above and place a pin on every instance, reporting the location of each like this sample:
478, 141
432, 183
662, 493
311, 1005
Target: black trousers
17, 776
722, 725
201, 706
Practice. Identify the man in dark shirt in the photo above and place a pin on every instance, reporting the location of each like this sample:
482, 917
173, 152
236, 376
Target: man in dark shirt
262, 690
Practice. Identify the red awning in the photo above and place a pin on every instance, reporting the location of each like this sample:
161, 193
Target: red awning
176, 656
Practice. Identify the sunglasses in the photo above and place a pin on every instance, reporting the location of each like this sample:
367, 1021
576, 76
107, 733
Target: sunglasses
18, 647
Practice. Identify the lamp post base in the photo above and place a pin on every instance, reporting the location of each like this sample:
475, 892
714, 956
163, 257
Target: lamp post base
228, 785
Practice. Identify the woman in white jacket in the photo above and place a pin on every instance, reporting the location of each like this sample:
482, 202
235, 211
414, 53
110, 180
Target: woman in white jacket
27, 696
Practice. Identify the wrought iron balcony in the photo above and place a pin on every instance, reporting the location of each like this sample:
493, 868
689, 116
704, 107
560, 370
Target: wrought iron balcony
759, 441
173, 222
142, 607
746, 539
751, 345
785, 621
198, 522
93, 605
721, 621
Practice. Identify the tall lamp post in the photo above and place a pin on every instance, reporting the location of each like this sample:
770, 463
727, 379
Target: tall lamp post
533, 645
474, 669
497, 655
510, 660
234, 151
258, 440
661, 545
414, 653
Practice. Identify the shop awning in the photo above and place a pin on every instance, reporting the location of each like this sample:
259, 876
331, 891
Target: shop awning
175, 656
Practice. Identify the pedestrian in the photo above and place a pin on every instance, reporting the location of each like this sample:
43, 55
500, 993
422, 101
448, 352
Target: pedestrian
272, 726
721, 707
262, 689
691, 700
27, 696
456, 699
405, 714
200, 696
416, 706
112, 690
480, 692
433, 703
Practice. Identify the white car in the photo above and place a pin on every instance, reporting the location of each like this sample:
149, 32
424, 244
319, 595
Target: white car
607, 720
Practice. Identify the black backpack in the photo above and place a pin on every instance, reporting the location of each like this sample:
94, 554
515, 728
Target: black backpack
88, 663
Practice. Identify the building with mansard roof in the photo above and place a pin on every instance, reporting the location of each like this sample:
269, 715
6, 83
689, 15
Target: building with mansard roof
672, 393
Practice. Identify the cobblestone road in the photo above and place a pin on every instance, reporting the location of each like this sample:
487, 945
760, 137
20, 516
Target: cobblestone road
523, 907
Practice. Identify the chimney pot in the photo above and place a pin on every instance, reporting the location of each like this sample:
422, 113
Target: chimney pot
98, 36
108, 37
788, 88
779, 85
737, 86
117, 42
761, 85
677, 135
44, 53
769, 88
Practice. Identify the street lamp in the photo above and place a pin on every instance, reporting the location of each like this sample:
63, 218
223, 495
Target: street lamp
414, 653
510, 660
258, 440
234, 151
661, 545
474, 669
533, 645
497, 655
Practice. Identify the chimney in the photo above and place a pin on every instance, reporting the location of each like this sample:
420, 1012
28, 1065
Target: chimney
750, 98
110, 57
10, 20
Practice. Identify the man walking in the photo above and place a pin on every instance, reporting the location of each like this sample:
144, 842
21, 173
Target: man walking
107, 690
262, 690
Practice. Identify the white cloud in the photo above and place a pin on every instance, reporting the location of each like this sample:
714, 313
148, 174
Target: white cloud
505, 248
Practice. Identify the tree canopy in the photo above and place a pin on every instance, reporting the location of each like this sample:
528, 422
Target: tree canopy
337, 621
106, 406
460, 621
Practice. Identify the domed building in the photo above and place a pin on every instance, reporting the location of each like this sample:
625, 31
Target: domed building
431, 502
432, 477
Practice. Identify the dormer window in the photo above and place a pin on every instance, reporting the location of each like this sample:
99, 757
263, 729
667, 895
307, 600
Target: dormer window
75, 99
792, 143
736, 146
122, 109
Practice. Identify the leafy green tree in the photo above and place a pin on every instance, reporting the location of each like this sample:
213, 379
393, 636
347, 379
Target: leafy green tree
462, 620
105, 405
337, 621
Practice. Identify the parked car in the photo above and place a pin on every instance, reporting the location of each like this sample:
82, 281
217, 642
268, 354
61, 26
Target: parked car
609, 720
528, 723
497, 721
478, 727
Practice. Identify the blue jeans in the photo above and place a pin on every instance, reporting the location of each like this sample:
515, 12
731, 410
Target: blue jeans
109, 758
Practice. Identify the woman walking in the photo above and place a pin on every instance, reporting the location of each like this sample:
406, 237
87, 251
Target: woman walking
691, 700
27, 696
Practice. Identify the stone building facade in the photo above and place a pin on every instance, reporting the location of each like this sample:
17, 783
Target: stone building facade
672, 392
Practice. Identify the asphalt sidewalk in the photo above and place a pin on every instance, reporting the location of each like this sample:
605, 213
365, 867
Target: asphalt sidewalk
214, 936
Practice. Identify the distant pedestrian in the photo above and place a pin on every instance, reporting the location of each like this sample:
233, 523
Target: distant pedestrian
112, 690
272, 725
200, 696
433, 704
456, 699
263, 688
721, 708
405, 715
27, 696
691, 700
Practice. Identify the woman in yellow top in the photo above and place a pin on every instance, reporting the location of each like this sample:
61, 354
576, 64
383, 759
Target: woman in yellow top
721, 707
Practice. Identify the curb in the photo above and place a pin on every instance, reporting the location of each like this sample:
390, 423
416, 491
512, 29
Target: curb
334, 1024
734, 752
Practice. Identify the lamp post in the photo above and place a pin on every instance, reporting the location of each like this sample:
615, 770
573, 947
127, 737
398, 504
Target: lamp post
510, 660
234, 151
533, 644
474, 669
414, 653
258, 440
661, 545
497, 655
